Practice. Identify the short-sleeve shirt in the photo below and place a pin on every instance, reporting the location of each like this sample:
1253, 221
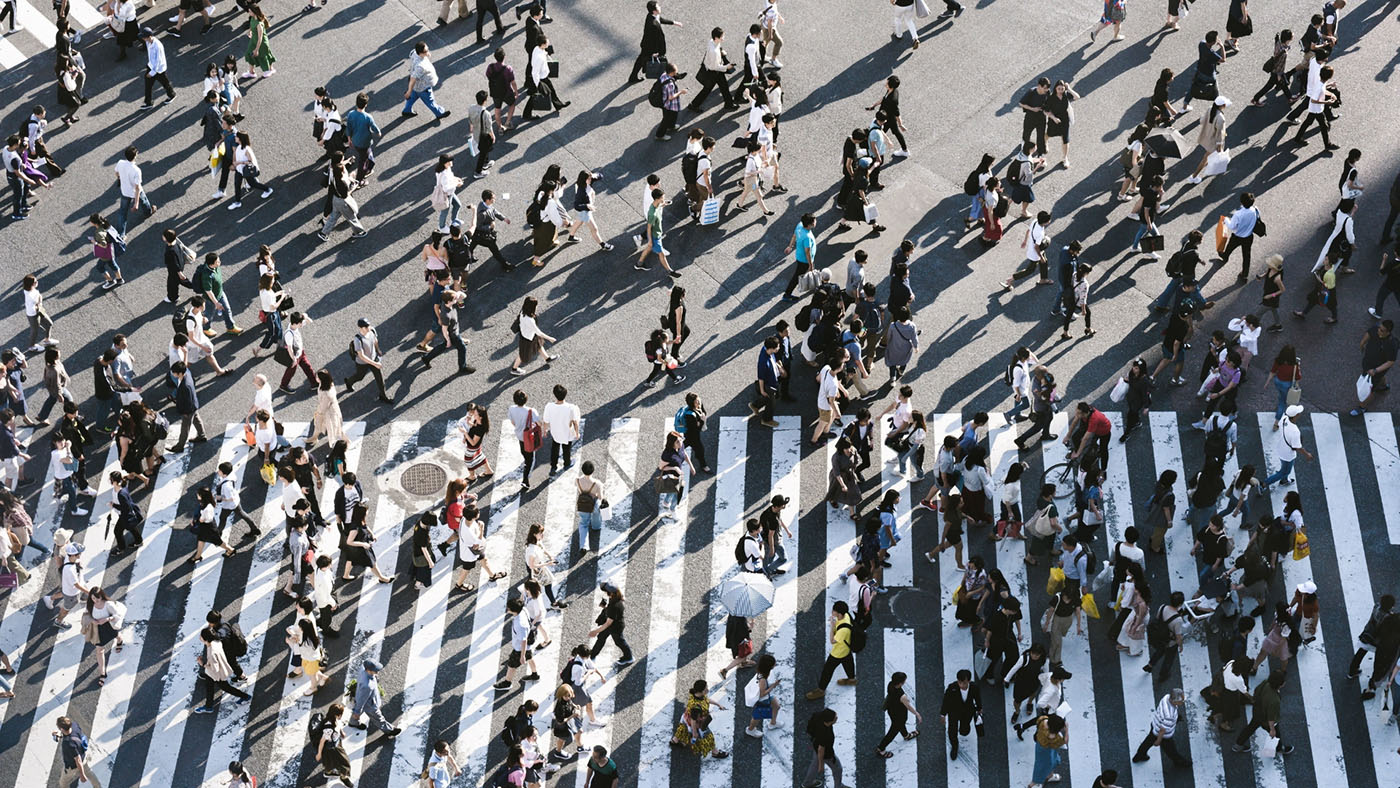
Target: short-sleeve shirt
520, 632
841, 642
70, 578
558, 416
130, 176
804, 244
654, 220
1034, 99
608, 769
1378, 351
826, 390
1099, 423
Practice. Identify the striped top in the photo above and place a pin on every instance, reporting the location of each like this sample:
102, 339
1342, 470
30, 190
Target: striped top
1164, 718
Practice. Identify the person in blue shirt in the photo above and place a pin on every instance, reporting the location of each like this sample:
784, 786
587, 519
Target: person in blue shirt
362, 130
804, 247
769, 371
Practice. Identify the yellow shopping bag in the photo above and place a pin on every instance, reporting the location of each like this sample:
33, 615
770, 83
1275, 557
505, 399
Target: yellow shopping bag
1300, 545
1056, 581
957, 594
1091, 608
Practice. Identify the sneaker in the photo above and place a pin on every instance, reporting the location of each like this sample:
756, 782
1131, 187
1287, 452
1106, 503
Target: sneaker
48, 602
622, 663
204, 709
218, 195
233, 206
267, 192
359, 234
606, 247
322, 236
753, 732
1240, 748
776, 64
501, 686
1374, 313
79, 512
901, 154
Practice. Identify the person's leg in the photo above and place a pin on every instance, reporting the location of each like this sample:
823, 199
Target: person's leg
165, 83
150, 81
431, 103
828, 670
642, 59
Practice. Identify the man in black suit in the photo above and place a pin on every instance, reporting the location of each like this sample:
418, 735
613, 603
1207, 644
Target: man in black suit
653, 39
785, 359
962, 706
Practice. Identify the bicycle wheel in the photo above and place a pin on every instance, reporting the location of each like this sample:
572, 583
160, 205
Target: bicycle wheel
1062, 476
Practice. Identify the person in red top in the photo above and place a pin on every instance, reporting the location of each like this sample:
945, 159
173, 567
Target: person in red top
457, 497
1089, 431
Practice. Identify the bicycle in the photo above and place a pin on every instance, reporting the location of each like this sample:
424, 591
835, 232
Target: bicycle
1064, 476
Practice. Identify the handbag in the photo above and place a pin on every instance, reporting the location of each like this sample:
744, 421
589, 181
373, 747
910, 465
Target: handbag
1152, 243
1270, 748
1269, 64
1295, 392
1222, 234
1120, 390
533, 437
709, 211
654, 67
745, 649
1216, 163
9, 579
980, 663
1091, 608
553, 69
1055, 581
249, 437
921, 9
283, 356
1301, 549
539, 102
1039, 524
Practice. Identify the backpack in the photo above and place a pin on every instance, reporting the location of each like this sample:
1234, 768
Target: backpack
1159, 631
690, 167
532, 215
235, 645
160, 427
970, 186
657, 95
180, 320
857, 638
679, 423
863, 616
566, 676
101, 387
802, 321
314, 727
741, 556
1174, 264
1217, 442
1091, 564
1013, 172
1003, 206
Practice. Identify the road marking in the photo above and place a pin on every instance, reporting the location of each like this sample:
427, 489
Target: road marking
39, 26
663, 636
781, 620
1324, 734
729, 528
902, 769
957, 645
294, 708
840, 536
114, 698
901, 570
1385, 455
372, 614
618, 484
488, 646
66, 657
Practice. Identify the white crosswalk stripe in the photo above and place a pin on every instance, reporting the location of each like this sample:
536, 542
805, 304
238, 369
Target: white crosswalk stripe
683, 636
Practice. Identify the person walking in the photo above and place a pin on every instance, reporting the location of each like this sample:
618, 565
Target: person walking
610, 624
655, 232
841, 651
822, 738
209, 281
1379, 348
295, 347
1165, 633
216, 671
1212, 136
73, 745
1266, 711
245, 168
653, 40
1163, 729
714, 73
961, 710
1320, 101
538, 81
258, 54
561, 418
103, 623
187, 405
361, 132
155, 67
21, 183
1390, 281
40, 324
1287, 449
369, 701
368, 359
339, 204
133, 192
422, 79
1051, 735
532, 339
584, 206
670, 101
330, 746
1244, 223
904, 14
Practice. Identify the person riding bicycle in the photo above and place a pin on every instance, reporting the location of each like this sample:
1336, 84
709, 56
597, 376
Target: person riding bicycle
1089, 430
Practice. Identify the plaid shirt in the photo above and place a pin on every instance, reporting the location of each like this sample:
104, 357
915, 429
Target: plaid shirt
670, 94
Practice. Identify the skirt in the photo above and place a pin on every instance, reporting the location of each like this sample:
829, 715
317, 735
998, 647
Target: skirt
334, 760
975, 505
991, 226
1022, 193
474, 457
763, 710
358, 556
208, 532
581, 696
529, 348
542, 238
106, 633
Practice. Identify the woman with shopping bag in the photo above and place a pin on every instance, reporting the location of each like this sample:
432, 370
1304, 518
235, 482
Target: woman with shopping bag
1212, 140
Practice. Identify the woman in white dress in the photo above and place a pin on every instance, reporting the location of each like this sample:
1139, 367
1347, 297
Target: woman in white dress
327, 418
1133, 635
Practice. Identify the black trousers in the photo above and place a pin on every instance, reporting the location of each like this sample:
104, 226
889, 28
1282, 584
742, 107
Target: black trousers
125, 526
712, 80
529, 464
1032, 122
545, 87
164, 81
765, 405
457, 345
1255, 723
892, 128
484, 145
325, 619
1029, 267
847, 662
643, 58
697, 447
1322, 124
957, 727
1275, 81
1168, 748
484, 7
899, 726
210, 685
1390, 221
236, 513
555, 448
1245, 244
489, 242
618, 640
798, 270
1040, 423
668, 122
365, 369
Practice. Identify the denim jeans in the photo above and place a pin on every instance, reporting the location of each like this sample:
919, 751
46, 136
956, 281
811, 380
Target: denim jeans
227, 312
125, 208
974, 213
775, 558
1167, 300
1282, 473
274, 331
426, 95
1244, 507
588, 521
449, 214
109, 267
917, 453
1141, 231
1282, 387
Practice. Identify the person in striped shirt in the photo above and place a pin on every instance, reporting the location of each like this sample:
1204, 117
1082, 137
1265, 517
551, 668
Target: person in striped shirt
1163, 729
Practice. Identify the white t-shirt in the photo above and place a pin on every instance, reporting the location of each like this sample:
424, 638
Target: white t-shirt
322, 581
267, 300
262, 399
207, 514
558, 416
903, 413
756, 113
31, 301
1037, 236
130, 176
528, 328
1289, 440
520, 631
470, 545
226, 492
265, 437
534, 554
70, 579
702, 166
826, 389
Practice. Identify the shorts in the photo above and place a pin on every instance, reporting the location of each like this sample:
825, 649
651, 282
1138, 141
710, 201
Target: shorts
463, 564
824, 416
191, 5
656, 245
583, 216
70, 602
517, 658
1167, 352
763, 709
502, 102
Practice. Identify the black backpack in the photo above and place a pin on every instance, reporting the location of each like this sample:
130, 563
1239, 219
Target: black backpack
235, 645
178, 321
1217, 443
690, 167
532, 215
101, 388
1013, 172
864, 616
657, 95
313, 728
741, 557
802, 321
857, 638
970, 186
1159, 631
1091, 565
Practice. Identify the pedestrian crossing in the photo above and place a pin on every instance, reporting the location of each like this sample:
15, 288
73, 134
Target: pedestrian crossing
443, 648
38, 32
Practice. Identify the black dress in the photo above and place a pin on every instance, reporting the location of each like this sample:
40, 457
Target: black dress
1237, 25
359, 556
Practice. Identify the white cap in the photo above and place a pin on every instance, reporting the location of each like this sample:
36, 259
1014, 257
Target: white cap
1293, 410
1307, 587
1221, 101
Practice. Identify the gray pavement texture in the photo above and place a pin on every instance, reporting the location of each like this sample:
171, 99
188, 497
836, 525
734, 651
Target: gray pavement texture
959, 101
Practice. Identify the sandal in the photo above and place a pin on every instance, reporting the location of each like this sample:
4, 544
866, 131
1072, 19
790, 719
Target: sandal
102, 679
230, 551
464, 586
911, 735
387, 580
119, 646
498, 576
884, 753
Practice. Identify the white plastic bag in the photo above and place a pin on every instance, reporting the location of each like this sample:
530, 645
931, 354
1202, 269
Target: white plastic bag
1363, 388
871, 212
751, 691
1270, 747
709, 211
1216, 163
1120, 390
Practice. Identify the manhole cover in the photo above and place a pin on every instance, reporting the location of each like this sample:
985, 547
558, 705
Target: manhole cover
423, 479
914, 607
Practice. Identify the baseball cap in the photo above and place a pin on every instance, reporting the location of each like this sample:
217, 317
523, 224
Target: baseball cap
780, 500
73, 548
362, 322
1293, 410
373, 666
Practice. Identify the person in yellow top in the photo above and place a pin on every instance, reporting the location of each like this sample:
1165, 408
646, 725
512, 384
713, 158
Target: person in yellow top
1050, 735
841, 653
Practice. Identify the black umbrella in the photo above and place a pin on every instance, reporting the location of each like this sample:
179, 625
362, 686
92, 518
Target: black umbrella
1167, 143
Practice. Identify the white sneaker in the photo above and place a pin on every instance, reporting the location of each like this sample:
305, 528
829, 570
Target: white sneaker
233, 206
776, 62
172, 20
753, 732
267, 192
900, 154
1193, 180
216, 195
90, 491
80, 512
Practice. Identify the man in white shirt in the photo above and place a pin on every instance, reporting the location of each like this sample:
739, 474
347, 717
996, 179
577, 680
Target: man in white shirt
714, 74
1318, 99
1344, 224
1288, 447
296, 348
155, 67
537, 81
422, 78
1036, 244
1241, 225
753, 58
562, 420
1163, 728
132, 189
20, 183
519, 646
227, 500
262, 397
71, 587
828, 389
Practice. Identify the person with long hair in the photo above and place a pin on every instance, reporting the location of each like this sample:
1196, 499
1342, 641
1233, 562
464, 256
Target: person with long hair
657, 349
259, 53
1212, 135
551, 218
330, 746
444, 196
474, 428
107, 617
584, 207
216, 670
1285, 372
245, 168
327, 419
532, 339
693, 731
207, 530
306, 644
